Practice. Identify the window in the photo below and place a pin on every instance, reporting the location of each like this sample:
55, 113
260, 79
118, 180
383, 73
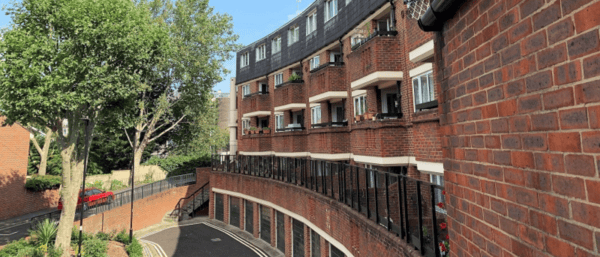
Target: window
293, 34
297, 238
280, 231
360, 105
279, 121
315, 244
261, 52
423, 88
331, 9
311, 23
244, 60
439, 197
278, 79
314, 62
245, 126
246, 90
316, 115
276, 45
356, 39
265, 223
334, 252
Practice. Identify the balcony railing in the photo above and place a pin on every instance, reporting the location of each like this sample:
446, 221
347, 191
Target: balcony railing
382, 116
290, 82
375, 34
288, 129
330, 124
404, 206
257, 93
338, 64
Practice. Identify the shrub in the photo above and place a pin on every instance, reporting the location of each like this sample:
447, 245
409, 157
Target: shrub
134, 249
95, 247
45, 232
97, 184
295, 77
122, 237
41, 183
75, 236
147, 178
117, 185
177, 165
16, 247
103, 236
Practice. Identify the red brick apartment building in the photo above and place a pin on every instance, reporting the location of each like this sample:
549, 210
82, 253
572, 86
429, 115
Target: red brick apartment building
450, 128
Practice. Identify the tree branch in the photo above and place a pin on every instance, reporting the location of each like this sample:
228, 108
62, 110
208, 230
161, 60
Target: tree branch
128, 139
169, 129
35, 143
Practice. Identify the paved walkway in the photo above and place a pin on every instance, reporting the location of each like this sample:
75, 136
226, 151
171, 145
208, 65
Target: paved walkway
16, 228
204, 237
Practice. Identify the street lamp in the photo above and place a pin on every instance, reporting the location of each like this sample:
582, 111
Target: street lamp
85, 162
132, 188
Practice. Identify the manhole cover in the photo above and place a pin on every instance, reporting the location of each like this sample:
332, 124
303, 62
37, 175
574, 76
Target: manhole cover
216, 240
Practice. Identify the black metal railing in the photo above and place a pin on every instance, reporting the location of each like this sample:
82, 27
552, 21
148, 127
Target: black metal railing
200, 197
257, 93
375, 34
298, 81
288, 129
410, 208
330, 124
381, 116
124, 197
329, 64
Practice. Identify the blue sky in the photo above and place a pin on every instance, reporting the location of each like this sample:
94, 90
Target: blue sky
252, 20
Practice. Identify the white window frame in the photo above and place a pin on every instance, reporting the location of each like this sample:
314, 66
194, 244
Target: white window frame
311, 23
331, 9
418, 96
315, 115
278, 79
384, 94
245, 90
276, 45
261, 52
361, 107
279, 121
293, 34
315, 62
245, 59
245, 125
439, 197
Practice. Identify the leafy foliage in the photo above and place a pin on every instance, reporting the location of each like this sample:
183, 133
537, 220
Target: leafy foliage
41, 183
122, 237
111, 150
177, 165
134, 249
45, 232
16, 247
97, 184
95, 247
117, 185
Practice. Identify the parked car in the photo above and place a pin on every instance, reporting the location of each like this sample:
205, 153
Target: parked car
91, 197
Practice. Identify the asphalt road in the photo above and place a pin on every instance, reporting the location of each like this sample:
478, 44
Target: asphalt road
12, 233
199, 240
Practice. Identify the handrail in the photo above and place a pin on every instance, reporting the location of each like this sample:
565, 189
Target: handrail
178, 206
299, 81
333, 64
374, 35
330, 124
257, 93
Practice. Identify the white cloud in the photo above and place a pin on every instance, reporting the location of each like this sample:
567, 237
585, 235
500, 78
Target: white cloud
291, 16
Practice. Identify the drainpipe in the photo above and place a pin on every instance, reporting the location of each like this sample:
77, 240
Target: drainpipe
393, 15
341, 49
437, 14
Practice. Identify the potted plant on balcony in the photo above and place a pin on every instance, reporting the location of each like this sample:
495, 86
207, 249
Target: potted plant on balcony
295, 78
253, 130
368, 116
266, 130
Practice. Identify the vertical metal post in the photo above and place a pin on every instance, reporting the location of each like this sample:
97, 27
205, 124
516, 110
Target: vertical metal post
375, 180
434, 221
387, 200
367, 192
357, 188
405, 200
420, 215
331, 178
85, 162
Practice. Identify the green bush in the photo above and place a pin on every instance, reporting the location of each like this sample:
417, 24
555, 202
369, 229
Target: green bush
97, 184
41, 183
75, 236
177, 165
95, 248
16, 247
295, 77
117, 185
103, 236
122, 237
44, 232
134, 249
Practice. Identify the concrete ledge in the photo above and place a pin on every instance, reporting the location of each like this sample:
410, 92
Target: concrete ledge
376, 78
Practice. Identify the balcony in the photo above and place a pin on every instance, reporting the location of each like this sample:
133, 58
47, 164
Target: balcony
329, 141
376, 61
256, 104
255, 143
290, 142
380, 141
290, 96
330, 124
327, 82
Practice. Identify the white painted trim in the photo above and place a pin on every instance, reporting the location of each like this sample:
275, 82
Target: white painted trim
315, 105
306, 222
434, 168
290, 107
328, 95
356, 93
421, 69
257, 113
422, 52
376, 77
332, 157
384, 161
294, 154
257, 153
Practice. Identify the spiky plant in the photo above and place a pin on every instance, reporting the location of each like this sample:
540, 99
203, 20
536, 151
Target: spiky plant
44, 232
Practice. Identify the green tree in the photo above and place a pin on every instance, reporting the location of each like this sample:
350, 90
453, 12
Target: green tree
70, 59
42, 151
180, 88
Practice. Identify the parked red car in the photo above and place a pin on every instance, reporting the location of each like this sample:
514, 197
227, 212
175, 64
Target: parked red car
91, 197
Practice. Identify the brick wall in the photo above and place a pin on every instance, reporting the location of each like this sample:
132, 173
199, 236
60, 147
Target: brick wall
520, 89
360, 236
14, 154
290, 93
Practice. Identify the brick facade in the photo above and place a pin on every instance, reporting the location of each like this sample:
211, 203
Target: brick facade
519, 94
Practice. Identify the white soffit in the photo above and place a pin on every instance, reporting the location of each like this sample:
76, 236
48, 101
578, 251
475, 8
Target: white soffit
288, 107
422, 52
356, 93
257, 114
434, 168
257, 153
420, 70
376, 78
294, 154
328, 96
384, 161
332, 157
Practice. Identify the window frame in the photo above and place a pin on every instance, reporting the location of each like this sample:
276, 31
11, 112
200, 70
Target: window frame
438, 179
363, 105
418, 89
293, 34
245, 59
244, 89
331, 8
261, 52
278, 78
279, 121
315, 62
245, 125
276, 45
315, 118
311, 23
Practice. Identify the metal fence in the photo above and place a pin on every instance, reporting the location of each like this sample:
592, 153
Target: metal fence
124, 197
412, 209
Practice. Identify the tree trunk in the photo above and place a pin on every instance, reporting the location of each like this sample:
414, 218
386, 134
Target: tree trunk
137, 159
72, 178
44, 153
